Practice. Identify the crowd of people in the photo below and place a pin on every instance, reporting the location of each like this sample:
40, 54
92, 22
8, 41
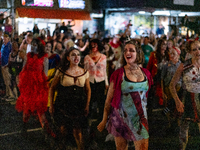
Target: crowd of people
117, 80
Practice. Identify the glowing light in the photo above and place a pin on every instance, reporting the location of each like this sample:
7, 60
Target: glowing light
163, 13
25, 20
141, 12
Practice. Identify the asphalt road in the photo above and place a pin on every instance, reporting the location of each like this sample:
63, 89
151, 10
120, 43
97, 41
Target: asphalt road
161, 137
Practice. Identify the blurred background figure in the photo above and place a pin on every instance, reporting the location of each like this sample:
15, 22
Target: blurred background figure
36, 29
185, 21
160, 30
15, 63
5, 52
96, 64
156, 62
147, 48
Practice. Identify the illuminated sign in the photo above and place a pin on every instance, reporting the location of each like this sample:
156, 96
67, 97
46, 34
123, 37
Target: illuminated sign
184, 2
43, 3
72, 4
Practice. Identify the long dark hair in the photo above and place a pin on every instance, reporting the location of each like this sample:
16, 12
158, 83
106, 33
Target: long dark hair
50, 42
40, 48
159, 56
100, 45
64, 65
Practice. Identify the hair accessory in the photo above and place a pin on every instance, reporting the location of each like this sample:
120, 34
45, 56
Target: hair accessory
128, 39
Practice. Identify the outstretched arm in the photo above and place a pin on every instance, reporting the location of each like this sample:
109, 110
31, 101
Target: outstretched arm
175, 79
52, 90
107, 106
88, 93
125, 32
73, 24
84, 47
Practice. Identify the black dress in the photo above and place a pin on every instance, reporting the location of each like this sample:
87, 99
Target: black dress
70, 106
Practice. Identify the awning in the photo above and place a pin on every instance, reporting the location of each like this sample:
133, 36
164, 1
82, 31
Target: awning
53, 13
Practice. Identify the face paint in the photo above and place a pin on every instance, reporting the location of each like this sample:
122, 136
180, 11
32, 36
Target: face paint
34, 47
195, 50
94, 47
74, 57
173, 55
130, 53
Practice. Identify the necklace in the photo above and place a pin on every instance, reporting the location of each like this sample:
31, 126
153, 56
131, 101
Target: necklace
134, 70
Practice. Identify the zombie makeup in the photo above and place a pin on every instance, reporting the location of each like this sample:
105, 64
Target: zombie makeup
173, 55
195, 50
74, 57
34, 47
94, 47
130, 53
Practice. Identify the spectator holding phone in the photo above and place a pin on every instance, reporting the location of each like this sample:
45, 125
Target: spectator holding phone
26, 43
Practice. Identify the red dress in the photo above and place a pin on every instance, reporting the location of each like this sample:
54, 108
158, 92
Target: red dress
33, 86
152, 67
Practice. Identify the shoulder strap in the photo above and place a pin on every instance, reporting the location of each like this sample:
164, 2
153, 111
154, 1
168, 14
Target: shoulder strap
85, 71
187, 64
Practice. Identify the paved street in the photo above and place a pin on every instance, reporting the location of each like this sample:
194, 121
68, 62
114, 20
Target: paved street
12, 139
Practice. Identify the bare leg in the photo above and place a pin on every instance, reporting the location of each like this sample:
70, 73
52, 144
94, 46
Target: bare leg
183, 134
61, 137
26, 117
141, 144
121, 143
45, 125
79, 138
42, 119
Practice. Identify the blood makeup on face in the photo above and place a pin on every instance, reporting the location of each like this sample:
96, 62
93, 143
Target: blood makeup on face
195, 50
74, 57
94, 47
130, 53
173, 54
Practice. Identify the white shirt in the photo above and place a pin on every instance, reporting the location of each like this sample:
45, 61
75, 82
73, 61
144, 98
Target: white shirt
191, 80
28, 48
97, 71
